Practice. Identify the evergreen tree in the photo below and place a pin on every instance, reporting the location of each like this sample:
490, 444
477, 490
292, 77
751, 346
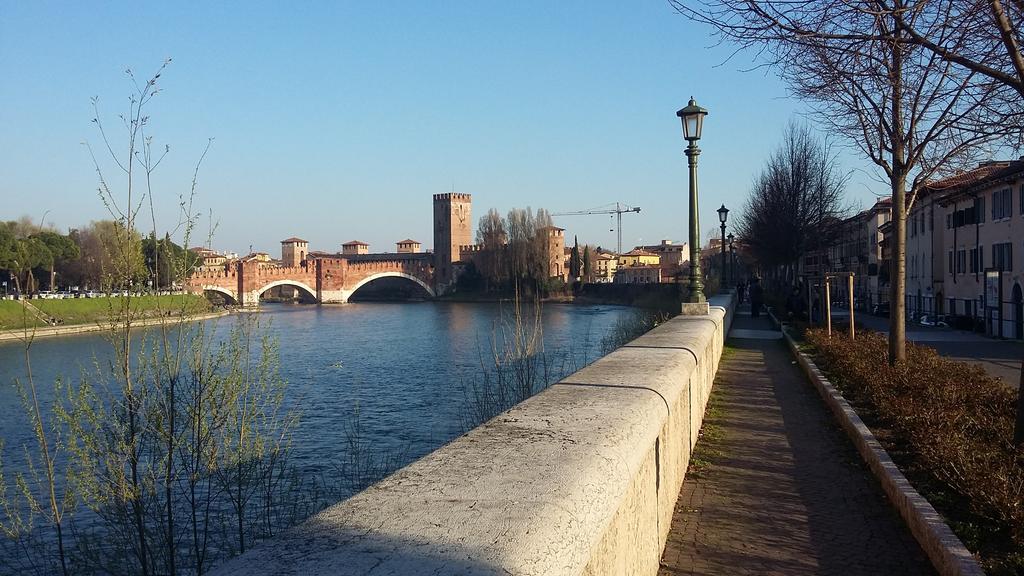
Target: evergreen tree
574, 260
588, 264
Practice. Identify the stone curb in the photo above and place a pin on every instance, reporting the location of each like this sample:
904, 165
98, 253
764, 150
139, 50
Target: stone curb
947, 553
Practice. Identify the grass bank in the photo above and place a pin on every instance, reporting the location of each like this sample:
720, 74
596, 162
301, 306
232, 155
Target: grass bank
14, 315
75, 311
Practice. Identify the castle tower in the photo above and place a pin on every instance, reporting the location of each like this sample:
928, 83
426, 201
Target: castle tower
555, 240
355, 247
293, 251
453, 228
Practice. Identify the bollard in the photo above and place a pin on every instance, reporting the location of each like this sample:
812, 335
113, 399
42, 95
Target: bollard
826, 308
849, 284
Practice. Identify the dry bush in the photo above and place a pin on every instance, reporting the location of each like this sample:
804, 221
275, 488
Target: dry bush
953, 420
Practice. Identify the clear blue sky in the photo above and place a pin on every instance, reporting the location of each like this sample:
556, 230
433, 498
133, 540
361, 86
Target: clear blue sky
336, 121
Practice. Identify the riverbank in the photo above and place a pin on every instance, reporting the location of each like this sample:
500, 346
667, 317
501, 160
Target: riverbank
40, 318
42, 332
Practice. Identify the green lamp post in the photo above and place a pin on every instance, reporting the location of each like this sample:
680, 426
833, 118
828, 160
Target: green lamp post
692, 118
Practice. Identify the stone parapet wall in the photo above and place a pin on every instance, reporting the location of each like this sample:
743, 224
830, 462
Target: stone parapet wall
580, 479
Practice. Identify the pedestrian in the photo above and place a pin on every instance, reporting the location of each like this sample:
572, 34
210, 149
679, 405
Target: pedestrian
756, 297
794, 303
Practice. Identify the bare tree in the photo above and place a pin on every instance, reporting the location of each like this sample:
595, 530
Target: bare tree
493, 240
983, 37
913, 114
795, 201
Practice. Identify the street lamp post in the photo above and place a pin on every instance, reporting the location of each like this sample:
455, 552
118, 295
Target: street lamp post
723, 214
732, 259
692, 117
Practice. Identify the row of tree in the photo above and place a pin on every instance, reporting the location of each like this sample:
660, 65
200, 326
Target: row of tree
514, 249
795, 204
35, 257
920, 87
517, 251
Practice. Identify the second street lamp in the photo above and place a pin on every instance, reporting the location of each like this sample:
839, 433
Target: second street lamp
693, 122
723, 215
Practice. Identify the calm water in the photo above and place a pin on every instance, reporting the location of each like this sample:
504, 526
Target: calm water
401, 368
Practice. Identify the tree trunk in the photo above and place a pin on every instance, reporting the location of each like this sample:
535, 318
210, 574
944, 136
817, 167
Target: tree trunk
898, 179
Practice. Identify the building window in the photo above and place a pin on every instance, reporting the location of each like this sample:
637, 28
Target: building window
974, 260
961, 261
1020, 199
1002, 256
1002, 204
979, 209
949, 221
949, 267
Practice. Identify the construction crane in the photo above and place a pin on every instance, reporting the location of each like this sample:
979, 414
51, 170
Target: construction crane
619, 210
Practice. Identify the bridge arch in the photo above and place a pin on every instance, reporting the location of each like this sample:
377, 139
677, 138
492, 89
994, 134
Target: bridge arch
228, 295
311, 293
379, 275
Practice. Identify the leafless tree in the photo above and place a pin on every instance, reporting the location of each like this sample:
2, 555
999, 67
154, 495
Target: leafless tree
795, 201
515, 249
984, 37
493, 241
913, 114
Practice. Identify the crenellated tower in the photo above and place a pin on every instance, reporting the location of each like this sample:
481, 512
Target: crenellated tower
293, 251
453, 228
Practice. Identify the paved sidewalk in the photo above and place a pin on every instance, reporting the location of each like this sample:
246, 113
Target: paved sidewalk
774, 487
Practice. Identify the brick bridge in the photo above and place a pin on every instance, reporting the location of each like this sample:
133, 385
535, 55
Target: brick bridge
323, 279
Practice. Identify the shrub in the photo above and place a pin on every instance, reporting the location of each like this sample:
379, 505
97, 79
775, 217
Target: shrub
954, 422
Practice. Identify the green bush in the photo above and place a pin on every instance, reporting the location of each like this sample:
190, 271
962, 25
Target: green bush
951, 421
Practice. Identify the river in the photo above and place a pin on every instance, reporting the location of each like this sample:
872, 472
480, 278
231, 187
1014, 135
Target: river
400, 369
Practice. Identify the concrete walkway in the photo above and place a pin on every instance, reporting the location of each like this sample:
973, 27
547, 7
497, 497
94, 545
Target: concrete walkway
774, 487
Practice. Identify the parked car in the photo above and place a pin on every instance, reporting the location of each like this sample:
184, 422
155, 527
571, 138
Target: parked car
932, 320
966, 323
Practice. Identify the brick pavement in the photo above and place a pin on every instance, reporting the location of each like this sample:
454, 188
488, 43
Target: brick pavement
774, 487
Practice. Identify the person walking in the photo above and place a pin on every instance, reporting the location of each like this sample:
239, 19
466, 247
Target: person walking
756, 297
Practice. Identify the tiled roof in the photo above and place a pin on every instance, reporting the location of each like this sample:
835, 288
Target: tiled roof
980, 178
407, 241
355, 243
1009, 171
968, 177
292, 240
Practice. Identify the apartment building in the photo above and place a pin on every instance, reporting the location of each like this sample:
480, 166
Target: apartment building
858, 248
605, 265
929, 224
983, 222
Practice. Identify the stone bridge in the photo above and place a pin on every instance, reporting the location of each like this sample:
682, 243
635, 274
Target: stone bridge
330, 279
